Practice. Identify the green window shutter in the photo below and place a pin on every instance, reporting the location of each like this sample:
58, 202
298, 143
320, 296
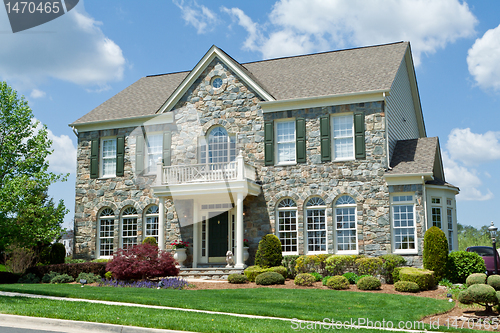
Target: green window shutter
120, 156
300, 138
94, 158
167, 148
268, 142
326, 141
359, 135
139, 154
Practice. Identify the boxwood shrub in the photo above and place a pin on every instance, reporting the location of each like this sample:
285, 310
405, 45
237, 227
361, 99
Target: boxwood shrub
252, 272
406, 287
461, 264
62, 278
422, 277
237, 278
391, 262
368, 266
340, 263
494, 281
278, 269
476, 278
481, 294
304, 279
369, 283
269, 278
337, 282
325, 280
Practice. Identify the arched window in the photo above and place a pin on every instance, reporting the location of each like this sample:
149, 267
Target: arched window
316, 225
287, 225
106, 232
345, 225
129, 227
151, 225
221, 147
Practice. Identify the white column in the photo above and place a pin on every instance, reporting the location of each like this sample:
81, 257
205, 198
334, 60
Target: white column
239, 232
196, 235
159, 172
240, 166
161, 223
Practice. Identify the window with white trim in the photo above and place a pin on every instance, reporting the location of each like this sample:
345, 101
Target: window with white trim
316, 225
108, 157
436, 213
343, 137
345, 225
403, 219
154, 151
218, 146
449, 216
129, 227
285, 142
151, 225
287, 225
106, 232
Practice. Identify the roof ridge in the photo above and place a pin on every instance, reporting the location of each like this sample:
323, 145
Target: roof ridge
179, 72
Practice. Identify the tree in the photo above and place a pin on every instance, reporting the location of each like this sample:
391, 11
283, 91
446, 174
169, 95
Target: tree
28, 217
470, 236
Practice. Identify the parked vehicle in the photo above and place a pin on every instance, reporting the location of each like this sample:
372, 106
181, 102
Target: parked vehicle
489, 255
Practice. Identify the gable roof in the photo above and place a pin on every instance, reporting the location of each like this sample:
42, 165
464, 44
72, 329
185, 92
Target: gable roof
415, 156
364, 69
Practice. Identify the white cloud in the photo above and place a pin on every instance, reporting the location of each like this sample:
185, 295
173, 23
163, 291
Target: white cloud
35, 93
254, 35
70, 48
473, 148
483, 60
199, 16
298, 26
467, 180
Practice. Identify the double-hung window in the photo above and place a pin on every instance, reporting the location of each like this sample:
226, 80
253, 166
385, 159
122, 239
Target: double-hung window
345, 225
151, 225
108, 157
287, 225
154, 146
106, 232
403, 219
436, 213
129, 227
343, 137
285, 142
316, 225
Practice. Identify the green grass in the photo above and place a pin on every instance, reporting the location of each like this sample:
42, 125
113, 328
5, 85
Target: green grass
305, 304
2, 268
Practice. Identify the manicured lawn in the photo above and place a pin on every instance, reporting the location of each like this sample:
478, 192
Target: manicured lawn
306, 304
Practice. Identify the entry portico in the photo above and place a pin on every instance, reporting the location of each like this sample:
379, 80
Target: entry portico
212, 197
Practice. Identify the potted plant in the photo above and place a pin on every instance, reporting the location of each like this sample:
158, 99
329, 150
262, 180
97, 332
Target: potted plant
180, 248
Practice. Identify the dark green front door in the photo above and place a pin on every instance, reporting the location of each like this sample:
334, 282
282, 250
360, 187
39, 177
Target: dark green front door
217, 234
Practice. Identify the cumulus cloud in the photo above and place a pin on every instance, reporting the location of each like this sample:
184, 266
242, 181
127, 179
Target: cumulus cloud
35, 93
71, 48
466, 179
197, 15
483, 60
254, 34
298, 26
473, 148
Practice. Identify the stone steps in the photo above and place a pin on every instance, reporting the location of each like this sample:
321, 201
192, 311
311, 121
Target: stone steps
208, 273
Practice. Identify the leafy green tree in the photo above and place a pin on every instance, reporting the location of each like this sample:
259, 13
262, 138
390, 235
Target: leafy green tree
470, 236
28, 217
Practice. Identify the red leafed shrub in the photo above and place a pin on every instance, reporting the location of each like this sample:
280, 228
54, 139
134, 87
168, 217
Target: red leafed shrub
140, 262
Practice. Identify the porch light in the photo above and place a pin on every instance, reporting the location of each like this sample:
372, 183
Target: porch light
492, 229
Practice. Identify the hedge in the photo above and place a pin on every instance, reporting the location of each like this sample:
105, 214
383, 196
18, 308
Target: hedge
424, 278
98, 268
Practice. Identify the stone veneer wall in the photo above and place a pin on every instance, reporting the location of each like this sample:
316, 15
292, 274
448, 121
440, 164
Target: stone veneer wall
236, 107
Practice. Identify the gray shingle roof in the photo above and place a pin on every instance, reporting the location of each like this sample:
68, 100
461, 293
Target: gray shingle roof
414, 156
330, 73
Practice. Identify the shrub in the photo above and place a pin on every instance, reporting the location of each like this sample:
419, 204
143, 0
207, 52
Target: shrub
57, 254
19, 259
390, 262
304, 279
359, 277
269, 253
289, 262
338, 264
481, 294
368, 283
406, 287
62, 278
351, 277
90, 277
47, 277
8, 278
237, 278
311, 263
69, 260
317, 276
29, 278
71, 269
337, 282
476, 278
395, 274
269, 278
494, 281
278, 269
140, 262
252, 272
325, 280
368, 266
101, 260
150, 241
461, 264
435, 254
424, 278
108, 275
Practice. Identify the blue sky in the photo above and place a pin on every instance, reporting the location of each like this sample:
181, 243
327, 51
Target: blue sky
70, 65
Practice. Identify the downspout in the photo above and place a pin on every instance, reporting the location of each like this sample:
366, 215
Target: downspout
74, 130
386, 131
424, 193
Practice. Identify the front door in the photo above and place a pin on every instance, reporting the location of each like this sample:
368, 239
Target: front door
217, 236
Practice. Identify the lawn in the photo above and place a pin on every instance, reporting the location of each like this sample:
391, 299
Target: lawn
305, 304
2, 268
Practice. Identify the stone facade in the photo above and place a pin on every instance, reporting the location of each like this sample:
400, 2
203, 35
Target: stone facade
236, 107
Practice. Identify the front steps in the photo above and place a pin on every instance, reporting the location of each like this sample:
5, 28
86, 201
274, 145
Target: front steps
209, 273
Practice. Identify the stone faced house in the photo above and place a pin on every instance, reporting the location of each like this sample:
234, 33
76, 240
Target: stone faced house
327, 151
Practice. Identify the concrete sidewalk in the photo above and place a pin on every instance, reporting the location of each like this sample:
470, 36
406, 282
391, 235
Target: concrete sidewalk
72, 326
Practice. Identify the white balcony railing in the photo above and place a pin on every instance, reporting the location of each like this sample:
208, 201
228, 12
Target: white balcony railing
209, 172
